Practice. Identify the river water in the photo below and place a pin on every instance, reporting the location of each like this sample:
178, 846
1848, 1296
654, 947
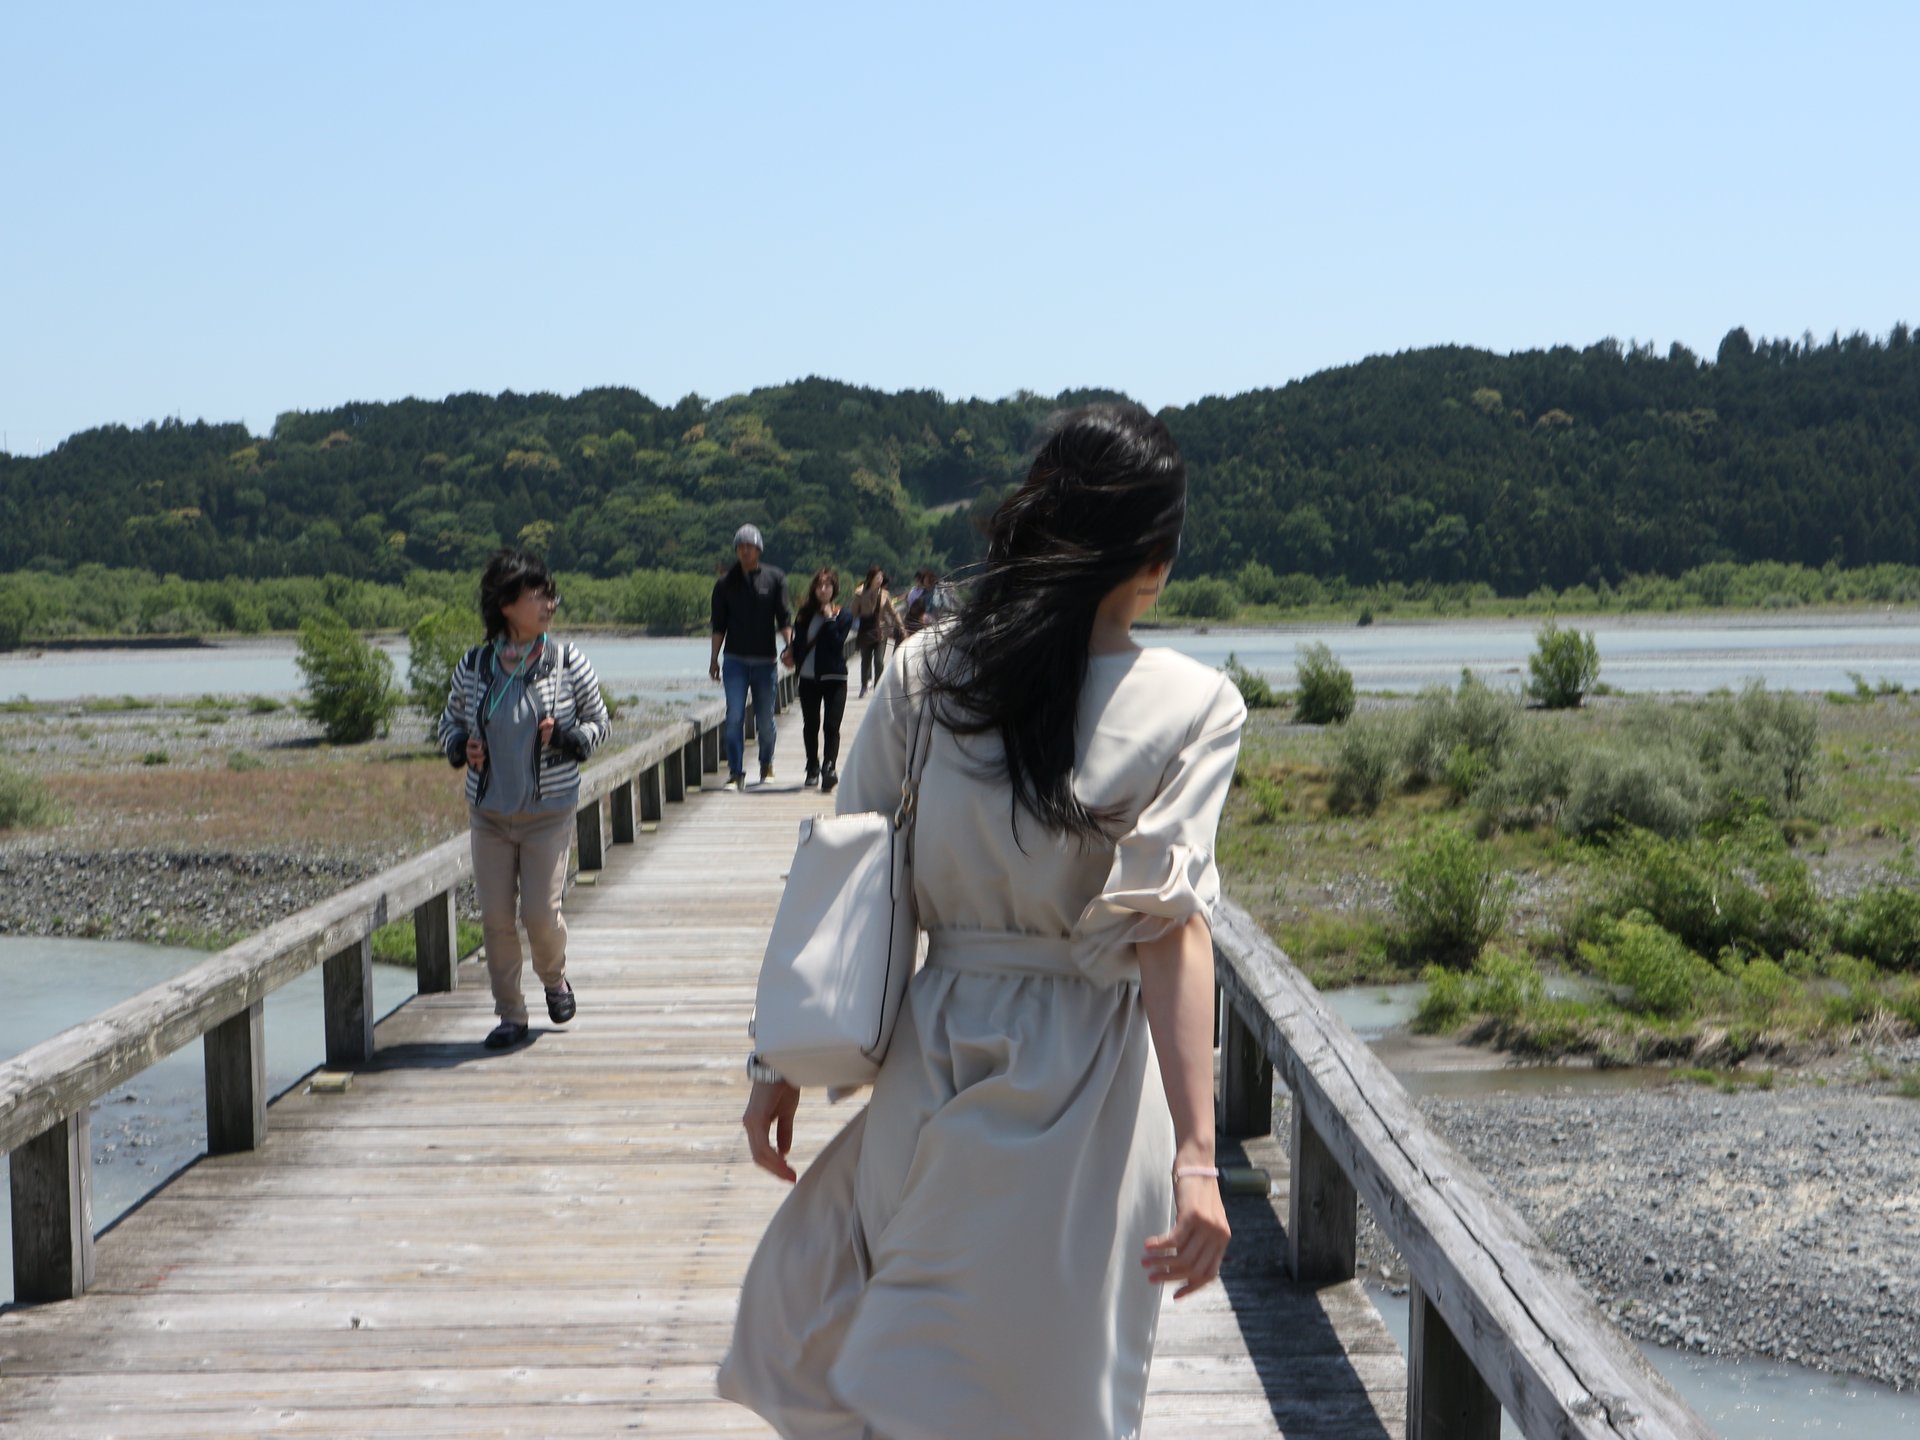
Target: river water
1640, 655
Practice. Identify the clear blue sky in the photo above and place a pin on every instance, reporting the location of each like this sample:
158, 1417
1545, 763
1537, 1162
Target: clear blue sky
228, 211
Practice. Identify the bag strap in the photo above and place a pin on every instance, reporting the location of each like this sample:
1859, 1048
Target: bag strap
916, 763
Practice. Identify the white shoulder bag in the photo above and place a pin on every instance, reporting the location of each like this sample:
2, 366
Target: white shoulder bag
844, 942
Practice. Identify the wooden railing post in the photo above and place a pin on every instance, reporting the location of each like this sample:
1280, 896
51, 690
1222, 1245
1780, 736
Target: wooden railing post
710, 751
347, 985
1323, 1213
1246, 1080
234, 1054
690, 764
651, 801
674, 775
52, 1185
436, 945
621, 803
1446, 1398
591, 832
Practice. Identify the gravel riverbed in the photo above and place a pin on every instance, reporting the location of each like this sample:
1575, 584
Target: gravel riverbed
1781, 1223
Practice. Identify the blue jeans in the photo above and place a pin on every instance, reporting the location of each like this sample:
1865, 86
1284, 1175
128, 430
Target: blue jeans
738, 677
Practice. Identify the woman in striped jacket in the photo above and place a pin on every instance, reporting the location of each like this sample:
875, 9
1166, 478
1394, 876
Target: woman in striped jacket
523, 713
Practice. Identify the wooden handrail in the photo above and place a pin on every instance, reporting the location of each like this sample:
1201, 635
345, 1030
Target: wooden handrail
1497, 1319
46, 1092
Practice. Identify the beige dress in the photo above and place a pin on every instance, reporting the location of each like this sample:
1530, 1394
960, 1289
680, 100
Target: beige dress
962, 1262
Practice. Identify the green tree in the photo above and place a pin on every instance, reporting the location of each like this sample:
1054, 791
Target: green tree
1325, 687
434, 647
1564, 666
350, 688
15, 616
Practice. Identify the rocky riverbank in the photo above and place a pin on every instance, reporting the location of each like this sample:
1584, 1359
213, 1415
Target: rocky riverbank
1778, 1223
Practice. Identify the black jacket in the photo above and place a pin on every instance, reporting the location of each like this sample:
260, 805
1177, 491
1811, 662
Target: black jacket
751, 611
831, 651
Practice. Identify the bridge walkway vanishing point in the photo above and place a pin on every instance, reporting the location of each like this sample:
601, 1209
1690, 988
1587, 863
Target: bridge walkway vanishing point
548, 1241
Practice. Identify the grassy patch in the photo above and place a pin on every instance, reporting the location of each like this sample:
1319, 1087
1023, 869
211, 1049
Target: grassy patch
393, 944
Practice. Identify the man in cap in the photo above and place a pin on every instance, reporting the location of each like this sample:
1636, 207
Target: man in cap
751, 620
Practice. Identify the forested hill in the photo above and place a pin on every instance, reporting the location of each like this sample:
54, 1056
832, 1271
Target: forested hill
1547, 467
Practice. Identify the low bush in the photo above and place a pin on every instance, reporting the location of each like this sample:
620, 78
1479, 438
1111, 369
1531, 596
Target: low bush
1661, 975
666, 602
1881, 924
1499, 984
1325, 688
1459, 736
1449, 898
1614, 788
1365, 767
1203, 599
24, 802
1564, 666
1254, 689
1739, 889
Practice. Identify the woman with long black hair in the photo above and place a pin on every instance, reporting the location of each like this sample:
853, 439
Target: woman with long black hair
819, 656
978, 1253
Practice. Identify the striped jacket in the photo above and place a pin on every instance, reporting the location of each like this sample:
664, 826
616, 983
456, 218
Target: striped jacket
562, 684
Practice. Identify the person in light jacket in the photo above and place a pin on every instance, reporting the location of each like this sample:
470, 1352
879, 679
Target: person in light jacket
522, 715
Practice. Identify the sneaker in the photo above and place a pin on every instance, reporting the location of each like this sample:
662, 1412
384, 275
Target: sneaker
504, 1034
736, 782
560, 1003
813, 775
829, 778
766, 773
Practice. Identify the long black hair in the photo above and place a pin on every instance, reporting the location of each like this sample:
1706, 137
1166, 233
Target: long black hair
508, 576
1105, 497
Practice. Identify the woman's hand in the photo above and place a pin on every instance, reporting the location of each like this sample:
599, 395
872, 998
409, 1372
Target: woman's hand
476, 753
1192, 1251
546, 732
770, 1112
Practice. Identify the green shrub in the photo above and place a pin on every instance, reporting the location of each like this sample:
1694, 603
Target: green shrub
435, 646
1499, 984
350, 685
1882, 923
1459, 736
667, 602
1740, 889
24, 802
240, 760
1533, 780
1762, 746
1258, 584
1325, 687
1254, 689
1614, 788
1449, 900
16, 613
1365, 767
1564, 666
1663, 977
1269, 798
155, 757
1202, 599
263, 705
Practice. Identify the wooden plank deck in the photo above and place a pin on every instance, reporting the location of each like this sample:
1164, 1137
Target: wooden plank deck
548, 1242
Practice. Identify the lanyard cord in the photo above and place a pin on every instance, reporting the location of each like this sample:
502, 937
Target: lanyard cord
496, 696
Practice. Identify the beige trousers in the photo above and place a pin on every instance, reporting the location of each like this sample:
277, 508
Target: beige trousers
520, 865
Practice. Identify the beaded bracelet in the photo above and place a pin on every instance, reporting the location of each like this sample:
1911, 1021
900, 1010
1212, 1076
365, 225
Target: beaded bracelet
1209, 1172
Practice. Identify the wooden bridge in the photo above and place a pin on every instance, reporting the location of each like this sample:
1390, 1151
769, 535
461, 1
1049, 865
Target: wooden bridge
548, 1241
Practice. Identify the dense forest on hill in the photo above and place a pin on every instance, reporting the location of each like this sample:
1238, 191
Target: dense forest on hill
1559, 468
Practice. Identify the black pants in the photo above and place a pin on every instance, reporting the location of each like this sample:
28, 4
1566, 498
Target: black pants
873, 659
815, 696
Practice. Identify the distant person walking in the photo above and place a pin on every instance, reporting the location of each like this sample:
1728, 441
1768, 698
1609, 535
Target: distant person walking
819, 656
522, 715
751, 620
923, 601
877, 623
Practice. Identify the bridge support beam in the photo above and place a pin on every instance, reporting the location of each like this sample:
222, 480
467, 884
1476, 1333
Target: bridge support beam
650, 797
690, 764
1323, 1213
674, 776
710, 752
436, 945
590, 832
52, 1185
621, 803
1246, 1079
1446, 1398
235, 1057
346, 982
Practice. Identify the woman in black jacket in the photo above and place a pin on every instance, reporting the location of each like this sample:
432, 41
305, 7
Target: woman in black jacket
820, 633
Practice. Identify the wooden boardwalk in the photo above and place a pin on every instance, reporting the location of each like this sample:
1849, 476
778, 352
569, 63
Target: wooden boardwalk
547, 1242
